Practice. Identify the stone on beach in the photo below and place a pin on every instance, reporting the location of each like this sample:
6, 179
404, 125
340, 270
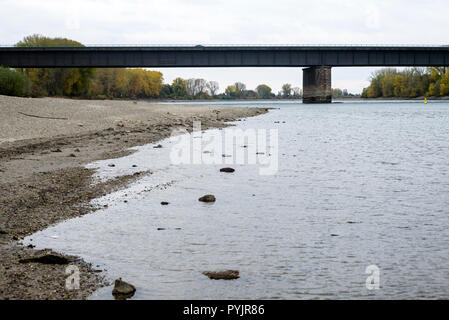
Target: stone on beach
207, 198
123, 290
227, 170
46, 259
222, 275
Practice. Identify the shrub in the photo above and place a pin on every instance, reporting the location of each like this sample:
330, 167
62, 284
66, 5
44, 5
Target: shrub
13, 83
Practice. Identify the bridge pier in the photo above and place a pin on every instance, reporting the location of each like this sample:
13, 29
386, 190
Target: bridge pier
317, 85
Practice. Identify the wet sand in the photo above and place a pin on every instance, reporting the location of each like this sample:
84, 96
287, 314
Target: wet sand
44, 145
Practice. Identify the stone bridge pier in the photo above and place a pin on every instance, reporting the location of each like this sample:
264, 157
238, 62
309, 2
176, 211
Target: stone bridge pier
317, 85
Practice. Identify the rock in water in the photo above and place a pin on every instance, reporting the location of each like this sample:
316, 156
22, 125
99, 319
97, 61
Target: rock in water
222, 275
46, 259
123, 290
207, 198
227, 170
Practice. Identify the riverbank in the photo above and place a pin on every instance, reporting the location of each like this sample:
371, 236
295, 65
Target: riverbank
444, 98
44, 145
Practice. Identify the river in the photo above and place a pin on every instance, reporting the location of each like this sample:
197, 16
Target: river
353, 185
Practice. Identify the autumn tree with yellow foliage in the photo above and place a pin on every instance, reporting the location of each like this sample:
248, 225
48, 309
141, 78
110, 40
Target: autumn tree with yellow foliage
408, 83
83, 82
56, 81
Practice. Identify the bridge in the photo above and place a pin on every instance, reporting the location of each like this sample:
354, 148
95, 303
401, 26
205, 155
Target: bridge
317, 61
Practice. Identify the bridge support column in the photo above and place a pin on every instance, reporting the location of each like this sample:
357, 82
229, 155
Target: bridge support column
317, 85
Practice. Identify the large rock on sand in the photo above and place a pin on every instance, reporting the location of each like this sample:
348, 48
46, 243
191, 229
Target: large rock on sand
123, 290
46, 259
222, 275
207, 198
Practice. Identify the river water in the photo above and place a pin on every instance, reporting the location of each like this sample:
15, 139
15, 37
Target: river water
357, 184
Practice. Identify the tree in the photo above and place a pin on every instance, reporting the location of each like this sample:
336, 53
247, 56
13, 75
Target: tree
408, 83
213, 87
249, 94
166, 91
13, 83
399, 85
297, 93
200, 87
190, 88
231, 91
444, 86
126, 83
388, 84
337, 93
263, 91
179, 88
286, 90
56, 81
239, 89
138, 87
434, 89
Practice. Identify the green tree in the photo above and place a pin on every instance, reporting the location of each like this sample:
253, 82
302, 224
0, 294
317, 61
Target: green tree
398, 85
337, 93
239, 89
263, 91
387, 84
231, 91
444, 86
286, 90
56, 81
13, 83
408, 83
179, 88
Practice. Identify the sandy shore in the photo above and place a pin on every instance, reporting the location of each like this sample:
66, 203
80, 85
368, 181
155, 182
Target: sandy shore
44, 144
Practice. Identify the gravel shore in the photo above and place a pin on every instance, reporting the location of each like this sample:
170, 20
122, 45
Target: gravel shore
44, 145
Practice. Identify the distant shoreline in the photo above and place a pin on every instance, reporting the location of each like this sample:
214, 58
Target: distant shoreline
445, 98
358, 98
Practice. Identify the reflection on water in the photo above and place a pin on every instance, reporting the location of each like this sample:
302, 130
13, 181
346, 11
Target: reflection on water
358, 184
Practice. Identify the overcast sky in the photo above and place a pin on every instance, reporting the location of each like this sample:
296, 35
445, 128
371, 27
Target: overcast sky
234, 22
